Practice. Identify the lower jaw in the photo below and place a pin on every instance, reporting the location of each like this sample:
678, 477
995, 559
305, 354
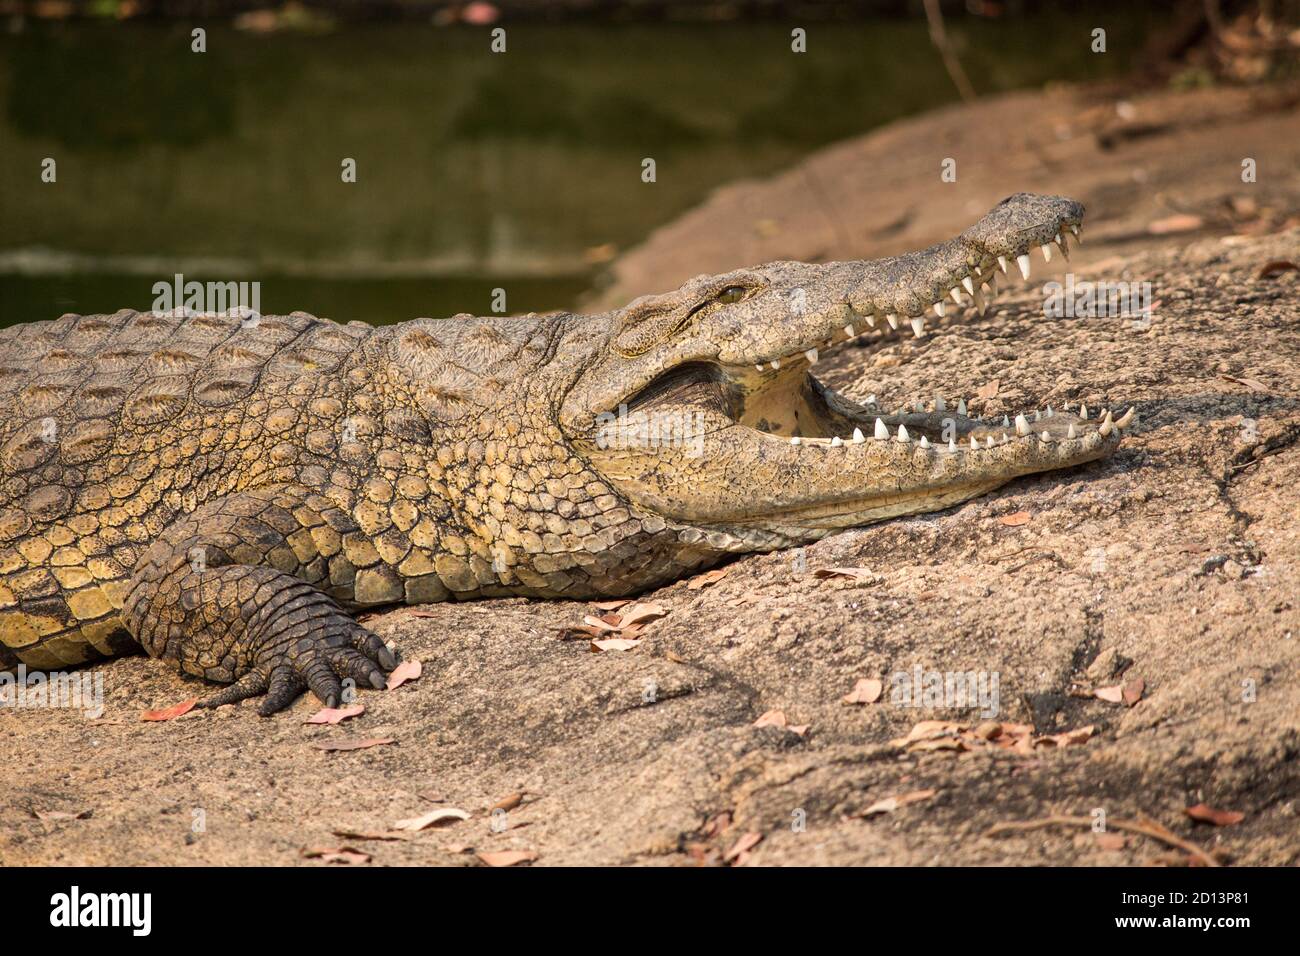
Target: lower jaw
838, 515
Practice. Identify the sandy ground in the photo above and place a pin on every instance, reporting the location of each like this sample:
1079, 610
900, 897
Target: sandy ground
1173, 564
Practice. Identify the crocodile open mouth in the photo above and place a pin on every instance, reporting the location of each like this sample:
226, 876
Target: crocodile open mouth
794, 406
740, 435
780, 397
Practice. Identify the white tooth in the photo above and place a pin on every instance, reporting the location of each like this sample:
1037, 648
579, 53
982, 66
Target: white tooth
858, 437
776, 363
892, 320
969, 285
1037, 416
1005, 438
1047, 252
811, 356
759, 366
836, 442
956, 295
1022, 425
974, 442
848, 330
1127, 418
1002, 263
1049, 411
871, 320
1005, 421
794, 440
882, 432
1070, 432
1064, 245
980, 304
1077, 238
902, 433
1107, 425
1046, 437
938, 308
988, 442
918, 327
952, 445
939, 405
871, 399
961, 406
1023, 262
925, 442
1083, 412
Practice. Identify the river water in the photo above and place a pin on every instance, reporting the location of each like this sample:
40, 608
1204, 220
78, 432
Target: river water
476, 171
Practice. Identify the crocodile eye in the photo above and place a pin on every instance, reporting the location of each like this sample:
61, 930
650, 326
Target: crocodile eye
732, 293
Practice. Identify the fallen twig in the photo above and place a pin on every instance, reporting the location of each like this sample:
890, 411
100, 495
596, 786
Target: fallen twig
1143, 826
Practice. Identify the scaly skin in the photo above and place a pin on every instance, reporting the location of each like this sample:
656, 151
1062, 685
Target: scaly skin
224, 491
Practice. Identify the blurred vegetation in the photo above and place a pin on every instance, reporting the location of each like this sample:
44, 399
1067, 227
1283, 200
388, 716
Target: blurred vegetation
473, 168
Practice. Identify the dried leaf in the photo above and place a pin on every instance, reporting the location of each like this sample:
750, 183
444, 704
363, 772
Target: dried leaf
1131, 691
1110, 841
890, 804
432, 818
611, 605
855, 574
639, 613
1276, 268
776, 718
579, 632
507, 857
599, 624
403, 672
1067, 739
742, 846
614, 644
989, 389
1015, 520
335, 715
1250, 383
707, 578
46, 816
508, 803
866, 691
1181, 222
336, 854
929, 730
170, 713
1220, 818
1112, 695
355, 743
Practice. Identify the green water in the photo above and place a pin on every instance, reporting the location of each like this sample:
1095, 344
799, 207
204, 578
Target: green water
475, 170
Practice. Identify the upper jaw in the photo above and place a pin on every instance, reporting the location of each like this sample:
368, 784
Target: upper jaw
846, 300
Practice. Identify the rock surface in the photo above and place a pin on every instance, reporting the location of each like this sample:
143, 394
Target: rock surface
1175, 563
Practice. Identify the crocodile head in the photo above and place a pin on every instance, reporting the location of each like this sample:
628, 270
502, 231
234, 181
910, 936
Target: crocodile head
701, 405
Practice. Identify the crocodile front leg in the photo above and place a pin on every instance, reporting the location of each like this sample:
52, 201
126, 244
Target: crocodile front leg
230, 592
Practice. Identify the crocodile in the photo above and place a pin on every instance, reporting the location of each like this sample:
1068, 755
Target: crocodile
226, 490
